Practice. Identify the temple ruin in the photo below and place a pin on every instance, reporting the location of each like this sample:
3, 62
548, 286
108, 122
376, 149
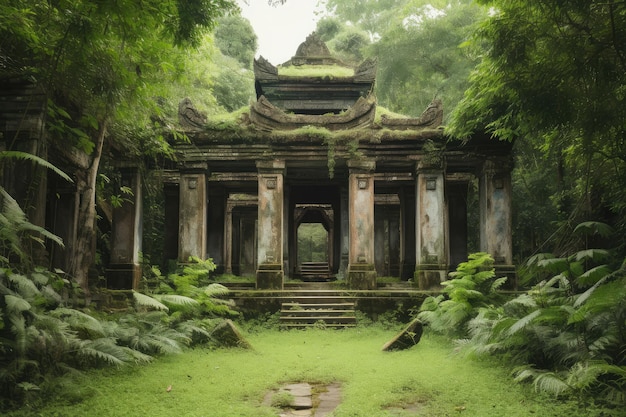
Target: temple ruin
314, 148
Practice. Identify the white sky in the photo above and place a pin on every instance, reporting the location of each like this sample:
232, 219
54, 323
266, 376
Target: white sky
280, 29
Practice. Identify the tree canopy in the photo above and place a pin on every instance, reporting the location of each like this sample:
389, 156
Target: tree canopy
553, 74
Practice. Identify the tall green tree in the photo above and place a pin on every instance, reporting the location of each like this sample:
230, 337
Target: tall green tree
553, 73
417, 44
90, 57
421, 57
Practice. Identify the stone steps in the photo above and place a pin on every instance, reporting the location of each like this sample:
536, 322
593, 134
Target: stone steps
315, 271
310, 308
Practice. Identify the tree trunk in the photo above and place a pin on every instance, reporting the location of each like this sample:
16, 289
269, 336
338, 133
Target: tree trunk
83, 253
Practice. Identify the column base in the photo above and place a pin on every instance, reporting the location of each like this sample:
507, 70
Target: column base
361, 276
510, 273
270, 277
123, 277
429, 276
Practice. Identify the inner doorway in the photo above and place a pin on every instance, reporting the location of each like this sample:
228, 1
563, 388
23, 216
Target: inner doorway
314, 231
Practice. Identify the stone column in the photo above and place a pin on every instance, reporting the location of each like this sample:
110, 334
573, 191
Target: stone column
407, 232
228, 238
192, 226
126, 232
430, 217
270, 272
495, 214
344, 228
361, 270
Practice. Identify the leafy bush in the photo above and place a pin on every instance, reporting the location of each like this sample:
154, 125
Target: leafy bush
473, 285
567, 334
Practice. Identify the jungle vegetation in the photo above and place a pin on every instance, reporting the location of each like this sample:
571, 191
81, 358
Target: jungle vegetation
549, 75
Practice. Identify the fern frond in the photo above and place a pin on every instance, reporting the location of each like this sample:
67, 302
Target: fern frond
147, 301
79, 320
23, 285
104, 350
543, 381
215, 289
36, 159
523, 322
496, 284
16, 304
176, 300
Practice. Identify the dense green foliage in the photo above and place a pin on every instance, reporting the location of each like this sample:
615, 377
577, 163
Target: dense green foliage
42, 337
567, 334
552, 74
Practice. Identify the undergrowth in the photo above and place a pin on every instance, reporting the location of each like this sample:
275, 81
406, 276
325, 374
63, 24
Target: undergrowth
566, 335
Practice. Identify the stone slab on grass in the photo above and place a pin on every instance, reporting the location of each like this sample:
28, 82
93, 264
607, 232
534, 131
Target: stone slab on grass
407, 338
228, 335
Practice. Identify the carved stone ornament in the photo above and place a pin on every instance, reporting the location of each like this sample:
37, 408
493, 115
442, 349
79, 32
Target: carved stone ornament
264, 70
190, 117
313, 46
431, 118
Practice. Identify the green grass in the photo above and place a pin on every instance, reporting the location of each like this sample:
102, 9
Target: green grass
233, 382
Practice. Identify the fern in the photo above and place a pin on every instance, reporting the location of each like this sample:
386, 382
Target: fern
103, 350
147, 301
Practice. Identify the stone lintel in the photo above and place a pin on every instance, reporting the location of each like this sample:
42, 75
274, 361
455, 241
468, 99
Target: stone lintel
270, 166
189, 167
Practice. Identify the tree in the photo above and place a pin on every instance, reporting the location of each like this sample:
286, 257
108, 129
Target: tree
553, 73
89, 58
417, 44
421, 57
235, 37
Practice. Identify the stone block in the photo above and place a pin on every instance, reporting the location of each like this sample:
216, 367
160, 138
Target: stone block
407, 338
227, 334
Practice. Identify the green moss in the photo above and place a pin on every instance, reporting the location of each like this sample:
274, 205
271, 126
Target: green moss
227, 121
380, 111
316, 71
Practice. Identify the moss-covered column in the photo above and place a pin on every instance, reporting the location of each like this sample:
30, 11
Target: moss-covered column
270, 272
124, 271
228, 238
495, 214
430, 217
192, 226
361, 270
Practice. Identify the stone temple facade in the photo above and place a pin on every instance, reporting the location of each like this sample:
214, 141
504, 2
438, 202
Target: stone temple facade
391, 192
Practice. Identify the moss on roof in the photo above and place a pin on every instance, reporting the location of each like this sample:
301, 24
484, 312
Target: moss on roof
315, 71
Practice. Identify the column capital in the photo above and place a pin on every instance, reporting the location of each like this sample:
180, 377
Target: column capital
494, 166
429, 164
361, 166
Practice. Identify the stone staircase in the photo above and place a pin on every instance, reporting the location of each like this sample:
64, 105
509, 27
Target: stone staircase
310, 308
315, 271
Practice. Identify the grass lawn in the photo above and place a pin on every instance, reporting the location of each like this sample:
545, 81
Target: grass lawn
431, 377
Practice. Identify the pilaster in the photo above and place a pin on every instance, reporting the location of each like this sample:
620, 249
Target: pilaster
495, 214
361, 270
192, 232
430, 218
270, 270
126, 234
